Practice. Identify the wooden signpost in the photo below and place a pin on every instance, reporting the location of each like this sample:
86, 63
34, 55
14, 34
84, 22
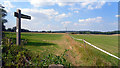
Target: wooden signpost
18, 25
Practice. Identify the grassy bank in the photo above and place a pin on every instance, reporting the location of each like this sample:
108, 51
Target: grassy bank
106, 42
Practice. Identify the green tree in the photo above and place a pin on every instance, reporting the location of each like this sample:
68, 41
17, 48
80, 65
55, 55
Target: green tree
3, 14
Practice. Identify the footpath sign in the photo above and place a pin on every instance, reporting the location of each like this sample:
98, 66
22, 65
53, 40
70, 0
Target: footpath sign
18, 24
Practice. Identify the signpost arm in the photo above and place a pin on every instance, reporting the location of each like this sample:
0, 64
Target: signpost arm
18, 28
18, 25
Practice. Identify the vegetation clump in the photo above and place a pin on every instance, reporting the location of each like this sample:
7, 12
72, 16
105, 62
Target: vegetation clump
13, 55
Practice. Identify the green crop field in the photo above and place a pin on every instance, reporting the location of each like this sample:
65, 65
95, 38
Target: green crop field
78, 55
105, 42
40, 43
108, 43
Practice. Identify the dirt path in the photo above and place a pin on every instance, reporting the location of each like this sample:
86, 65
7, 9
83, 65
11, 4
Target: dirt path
73, 55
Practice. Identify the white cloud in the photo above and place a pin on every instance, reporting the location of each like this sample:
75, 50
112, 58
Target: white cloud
8, 5
62, 0
76, 11
41, 3
43, 13
65, 23
74, 8
117, 15
89, 5
46, 13
97, 5
85, 4
40, 17
61, 16
65, 3
92, 5
79, 24
91, 20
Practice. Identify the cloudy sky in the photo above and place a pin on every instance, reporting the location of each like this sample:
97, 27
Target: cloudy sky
95, 16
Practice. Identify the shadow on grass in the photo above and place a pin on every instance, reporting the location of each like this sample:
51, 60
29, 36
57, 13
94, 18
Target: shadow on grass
32, 43
39, 44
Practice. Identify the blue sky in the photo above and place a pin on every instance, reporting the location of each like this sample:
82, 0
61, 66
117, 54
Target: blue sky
94, 16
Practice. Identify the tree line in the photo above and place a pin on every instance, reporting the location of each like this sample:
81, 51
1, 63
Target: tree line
72, 32
14, 30
88, 32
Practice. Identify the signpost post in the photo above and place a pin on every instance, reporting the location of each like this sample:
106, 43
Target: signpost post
18, 24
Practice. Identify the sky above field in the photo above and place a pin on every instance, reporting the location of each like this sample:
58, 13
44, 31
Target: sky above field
94, 16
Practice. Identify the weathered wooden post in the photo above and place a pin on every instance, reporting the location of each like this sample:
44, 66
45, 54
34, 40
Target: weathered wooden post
18, 28
18, 25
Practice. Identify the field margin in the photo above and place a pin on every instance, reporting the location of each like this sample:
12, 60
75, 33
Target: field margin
96, 47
